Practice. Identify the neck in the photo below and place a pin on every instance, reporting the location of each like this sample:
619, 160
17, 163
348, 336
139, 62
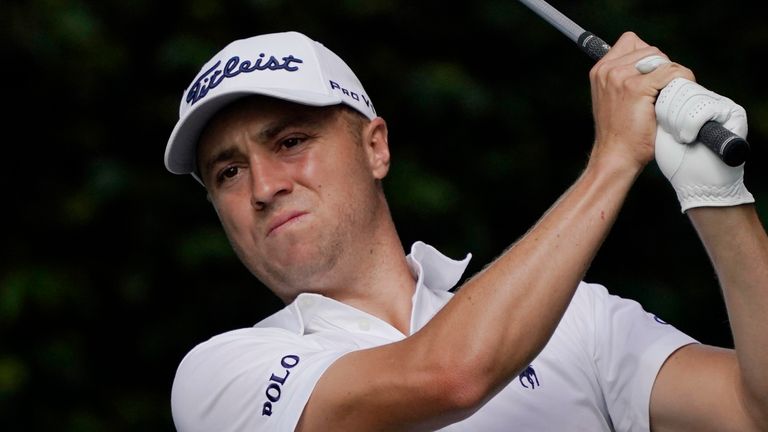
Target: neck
384, 286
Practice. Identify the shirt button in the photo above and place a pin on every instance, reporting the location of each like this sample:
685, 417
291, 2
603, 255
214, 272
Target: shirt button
364, 325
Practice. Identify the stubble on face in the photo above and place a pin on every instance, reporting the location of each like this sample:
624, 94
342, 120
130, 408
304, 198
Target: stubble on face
306, 258
315, 259
306, 263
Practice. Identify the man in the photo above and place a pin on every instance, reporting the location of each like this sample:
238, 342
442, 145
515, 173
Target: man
292, 154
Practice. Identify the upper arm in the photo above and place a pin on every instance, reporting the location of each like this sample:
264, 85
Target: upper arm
390, 387
699, 389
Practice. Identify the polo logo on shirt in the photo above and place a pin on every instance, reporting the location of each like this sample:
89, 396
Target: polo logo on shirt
529, 376
276, 383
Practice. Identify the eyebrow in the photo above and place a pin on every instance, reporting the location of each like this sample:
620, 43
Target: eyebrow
306, 119
219, 156
269, 132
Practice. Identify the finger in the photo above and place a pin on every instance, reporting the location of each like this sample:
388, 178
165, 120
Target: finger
638, 64
625, 65
650, 63
652, 83
633, 57
666, 72
627, 42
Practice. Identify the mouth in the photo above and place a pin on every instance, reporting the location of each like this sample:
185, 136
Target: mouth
283, 221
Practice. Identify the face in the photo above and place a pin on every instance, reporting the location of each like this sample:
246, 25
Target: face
297, 192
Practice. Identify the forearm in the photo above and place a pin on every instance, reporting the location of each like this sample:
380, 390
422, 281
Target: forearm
738, 248
502, 318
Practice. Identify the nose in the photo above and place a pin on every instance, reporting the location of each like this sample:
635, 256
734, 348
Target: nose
269, 179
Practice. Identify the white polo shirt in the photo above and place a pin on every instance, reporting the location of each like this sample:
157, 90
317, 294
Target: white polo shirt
595, 373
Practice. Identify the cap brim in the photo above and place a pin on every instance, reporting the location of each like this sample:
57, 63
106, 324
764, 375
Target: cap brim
180, 152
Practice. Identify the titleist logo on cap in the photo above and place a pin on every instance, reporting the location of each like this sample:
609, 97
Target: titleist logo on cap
234, 67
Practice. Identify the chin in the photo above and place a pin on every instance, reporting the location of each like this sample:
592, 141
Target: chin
301, 269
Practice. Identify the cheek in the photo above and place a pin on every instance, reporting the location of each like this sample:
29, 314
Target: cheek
236, 220
338, 172
321, 177
308, 170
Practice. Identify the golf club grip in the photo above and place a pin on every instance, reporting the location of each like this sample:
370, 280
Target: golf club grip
593, 45
731, 148
728, 146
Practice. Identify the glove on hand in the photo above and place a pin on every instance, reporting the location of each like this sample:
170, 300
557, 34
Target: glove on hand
698, 176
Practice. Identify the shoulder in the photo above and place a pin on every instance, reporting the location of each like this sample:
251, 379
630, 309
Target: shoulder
593, 298
256, 379
231, 346
238, 356
586, 300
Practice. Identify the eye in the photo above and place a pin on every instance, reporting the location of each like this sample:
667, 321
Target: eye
227, 173
291, 142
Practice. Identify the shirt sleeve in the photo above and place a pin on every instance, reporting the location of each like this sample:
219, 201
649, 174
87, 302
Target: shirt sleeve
630, 347
254, 379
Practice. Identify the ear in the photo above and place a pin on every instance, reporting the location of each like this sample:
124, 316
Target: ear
375, 141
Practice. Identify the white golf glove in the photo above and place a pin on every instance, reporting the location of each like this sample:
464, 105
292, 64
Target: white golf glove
698, 176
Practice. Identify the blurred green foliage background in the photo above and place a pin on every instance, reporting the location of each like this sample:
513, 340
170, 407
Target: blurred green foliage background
112, 268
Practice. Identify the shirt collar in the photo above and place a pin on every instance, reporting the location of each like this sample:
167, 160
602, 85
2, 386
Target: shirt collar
435, 273
434, 269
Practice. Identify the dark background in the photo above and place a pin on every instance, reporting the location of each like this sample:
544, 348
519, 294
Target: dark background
112, 268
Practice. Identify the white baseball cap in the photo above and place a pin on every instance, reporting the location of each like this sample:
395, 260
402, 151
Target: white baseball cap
288, 66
